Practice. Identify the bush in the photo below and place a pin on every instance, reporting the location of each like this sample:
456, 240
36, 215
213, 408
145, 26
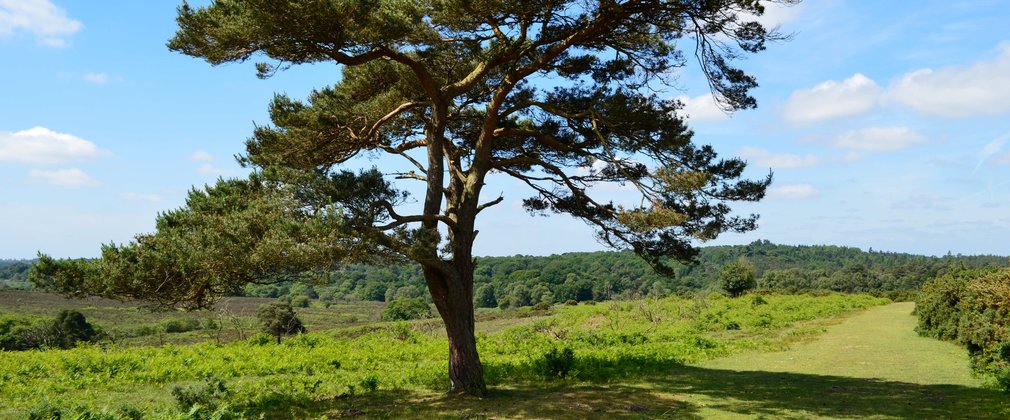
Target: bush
971, 308
571, 302
557, 364
65, 331
542, 307
206, 394
300, 301
737, 277
181, 325
279, 319
71, 327
260, 339
369, 383
403, 309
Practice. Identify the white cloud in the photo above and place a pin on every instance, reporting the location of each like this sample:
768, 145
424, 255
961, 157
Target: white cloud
208, 169
42, 145
65, 178
702, 108
129, 196
776, 14
765, 158
792, 191
831, 99
46, 21
97, 78
981, 88
878, 139
201, 155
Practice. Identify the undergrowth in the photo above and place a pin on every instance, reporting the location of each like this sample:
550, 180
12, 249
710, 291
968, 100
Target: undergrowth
584, 343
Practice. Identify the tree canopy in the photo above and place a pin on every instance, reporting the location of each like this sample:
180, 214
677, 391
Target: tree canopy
559, 94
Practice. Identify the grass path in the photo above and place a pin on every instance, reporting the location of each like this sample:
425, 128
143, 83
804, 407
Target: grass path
878, 343
870, 365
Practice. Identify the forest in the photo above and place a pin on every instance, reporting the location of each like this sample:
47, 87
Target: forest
520, 280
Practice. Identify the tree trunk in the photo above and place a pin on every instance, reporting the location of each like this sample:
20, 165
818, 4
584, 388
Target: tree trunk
453, 297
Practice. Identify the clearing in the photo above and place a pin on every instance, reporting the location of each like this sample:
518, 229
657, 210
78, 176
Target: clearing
872, 364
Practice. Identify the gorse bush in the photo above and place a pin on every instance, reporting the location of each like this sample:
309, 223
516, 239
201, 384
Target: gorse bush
971, 308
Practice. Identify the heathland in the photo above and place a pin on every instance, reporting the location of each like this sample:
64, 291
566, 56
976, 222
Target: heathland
672, 357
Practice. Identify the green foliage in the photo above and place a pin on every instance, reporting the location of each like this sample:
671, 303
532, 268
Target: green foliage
369, 383
300, 302
484, 297
573, 276
181, 325
737, 277
403, 309
207, 394
279, 319
67, 329
971, 308
557, 364
228, 235
609, 341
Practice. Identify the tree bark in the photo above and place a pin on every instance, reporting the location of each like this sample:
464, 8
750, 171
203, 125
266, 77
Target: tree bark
453, 297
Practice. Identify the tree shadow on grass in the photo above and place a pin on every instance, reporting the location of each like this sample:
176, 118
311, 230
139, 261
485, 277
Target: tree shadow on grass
782, 394
641, 387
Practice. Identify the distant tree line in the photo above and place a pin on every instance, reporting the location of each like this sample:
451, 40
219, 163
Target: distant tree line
14, 273
582, 276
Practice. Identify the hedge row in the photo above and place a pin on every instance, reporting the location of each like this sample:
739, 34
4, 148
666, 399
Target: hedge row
971, 308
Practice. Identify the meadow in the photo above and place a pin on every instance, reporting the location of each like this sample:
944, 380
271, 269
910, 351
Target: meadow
376, 368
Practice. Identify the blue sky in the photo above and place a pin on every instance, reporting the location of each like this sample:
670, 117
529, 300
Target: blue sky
886, 124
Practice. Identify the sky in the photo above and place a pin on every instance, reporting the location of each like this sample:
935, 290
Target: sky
885, 125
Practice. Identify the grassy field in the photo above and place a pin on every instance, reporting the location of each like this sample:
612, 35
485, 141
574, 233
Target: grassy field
134, 324
627, 355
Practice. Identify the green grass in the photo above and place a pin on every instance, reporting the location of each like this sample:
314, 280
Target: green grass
133, 324
624, 353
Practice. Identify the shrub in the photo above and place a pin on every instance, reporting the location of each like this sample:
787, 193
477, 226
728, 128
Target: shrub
260, 339
65, 331
737, 277
971, 308
571, 302
557, 364
279, 319
542, 307
70, 327
369, 383
300, 301
403, 309
181, 325
206, 394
